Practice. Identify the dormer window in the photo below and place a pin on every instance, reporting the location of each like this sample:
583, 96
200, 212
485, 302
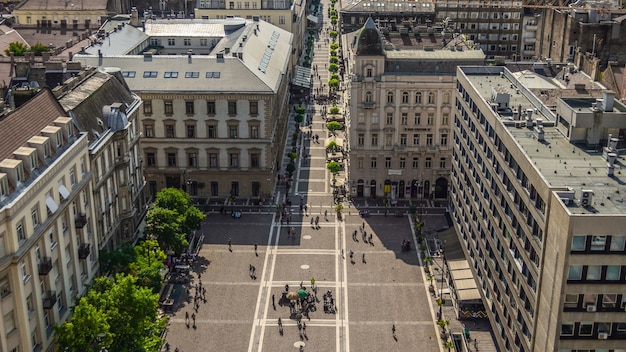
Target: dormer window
4, 187
33, 161
19, 172
46, 149
59, 138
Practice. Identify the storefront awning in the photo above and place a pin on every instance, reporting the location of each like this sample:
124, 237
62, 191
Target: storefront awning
312, 18
51, 204
468, 295
302, 77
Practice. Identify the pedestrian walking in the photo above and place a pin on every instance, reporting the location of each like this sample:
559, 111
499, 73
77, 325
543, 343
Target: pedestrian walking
363, 257
393, 330
230, 244
274, 301
193, 317
351, 255
304, 327
369, 239
255, 250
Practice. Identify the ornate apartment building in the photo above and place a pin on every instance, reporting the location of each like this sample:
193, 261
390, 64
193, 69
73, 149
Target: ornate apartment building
102, 105
47, 222
537, 202
212, 124
401, 114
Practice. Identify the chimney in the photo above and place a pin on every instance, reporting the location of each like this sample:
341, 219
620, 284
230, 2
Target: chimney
608, 98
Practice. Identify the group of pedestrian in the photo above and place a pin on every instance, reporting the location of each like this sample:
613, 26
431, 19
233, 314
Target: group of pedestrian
252, 272
315, 222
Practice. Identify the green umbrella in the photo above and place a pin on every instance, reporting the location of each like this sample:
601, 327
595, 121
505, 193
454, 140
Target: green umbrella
303, 294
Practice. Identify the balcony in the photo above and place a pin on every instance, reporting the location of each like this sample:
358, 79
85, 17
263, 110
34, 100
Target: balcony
531, 27
367, 105
49, 299
80, 220
84, 251
45, 266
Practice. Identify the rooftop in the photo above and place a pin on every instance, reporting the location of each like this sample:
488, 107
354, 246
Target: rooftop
562, 164
389, 6
34, 5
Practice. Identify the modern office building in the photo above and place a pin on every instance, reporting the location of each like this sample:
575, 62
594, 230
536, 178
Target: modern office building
102, 106
47, 222
537, 201
401, 108
212, 124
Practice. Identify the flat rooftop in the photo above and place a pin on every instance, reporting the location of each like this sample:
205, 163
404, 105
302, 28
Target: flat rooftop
561, 163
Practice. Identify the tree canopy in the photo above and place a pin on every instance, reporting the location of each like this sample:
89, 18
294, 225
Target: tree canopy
171, 218
334, 167
20, 49
115, 314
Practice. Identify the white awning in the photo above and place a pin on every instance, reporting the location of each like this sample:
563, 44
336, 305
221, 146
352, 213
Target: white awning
51, 204
302, 77
312, 18
63, 191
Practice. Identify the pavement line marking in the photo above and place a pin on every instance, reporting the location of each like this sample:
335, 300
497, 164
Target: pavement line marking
398, 323
345, 290
307, 251
338, 289
385, 284
212, 321
261, 291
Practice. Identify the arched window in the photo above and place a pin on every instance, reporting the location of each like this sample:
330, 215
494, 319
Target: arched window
446, 97
431, 97
390, 97
418, 98
405, 97
368, 97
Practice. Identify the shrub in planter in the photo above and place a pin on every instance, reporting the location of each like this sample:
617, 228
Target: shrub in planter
312, 31
334, 76
333, 67
291, 167
334, 46
334, 110
334, 59
300, 109
333, 83
293, 156
299, 118
333, 52
333, 34
333, 126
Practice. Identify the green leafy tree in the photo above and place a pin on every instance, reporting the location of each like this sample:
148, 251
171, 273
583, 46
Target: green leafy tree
117, 260
17, 48
123, 316
333, 67
334, 167
291, 167
147, 267
333, 52
299, 118
188, 217
333, 126
334, 110
334, 59
334, 46
164, 225
332, 146
39, 48
334, 76
300, 109
333, 34
333, 83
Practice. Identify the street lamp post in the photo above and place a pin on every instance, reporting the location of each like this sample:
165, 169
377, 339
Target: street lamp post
442, 247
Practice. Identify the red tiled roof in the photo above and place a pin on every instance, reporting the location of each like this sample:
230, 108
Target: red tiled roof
17, 127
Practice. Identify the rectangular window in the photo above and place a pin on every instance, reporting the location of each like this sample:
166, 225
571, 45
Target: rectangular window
254, 131
150, 159
444, 139
150, 74
360, 162
579, 243
373, 162
388, 139
402, 162
232, 131
234, 159
149, 131
254, 108
403, 139
254, 160
19, 230
417, 119
360, 139
210, 108
586, 329
374, 140
171, 41
187, 42
204, 42
613, 272
575, 272
404, 119
211, 131
416, 162
442, 163
213, 160
171, 159
598, 243
567, 329
5, 288
169, 131
192, 74
232, 108
388, 162
34, 214
445, 119
24, 271
429, 139
416, 139
617, 243
192, 159
191, 131
170, 74
168, 107
389, 120
189, 108
431, 119
147, 107
428, 163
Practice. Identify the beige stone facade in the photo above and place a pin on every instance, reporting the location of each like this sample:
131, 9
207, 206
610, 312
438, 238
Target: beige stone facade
47, 240
536, 202
401, 112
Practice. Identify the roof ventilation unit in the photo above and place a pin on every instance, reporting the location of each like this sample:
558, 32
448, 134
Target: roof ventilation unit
586, 197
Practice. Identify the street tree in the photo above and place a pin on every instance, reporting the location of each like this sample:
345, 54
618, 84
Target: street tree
333, 83
333, 126
334, 167
117, 260
164, 225
333, 67
148, 264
